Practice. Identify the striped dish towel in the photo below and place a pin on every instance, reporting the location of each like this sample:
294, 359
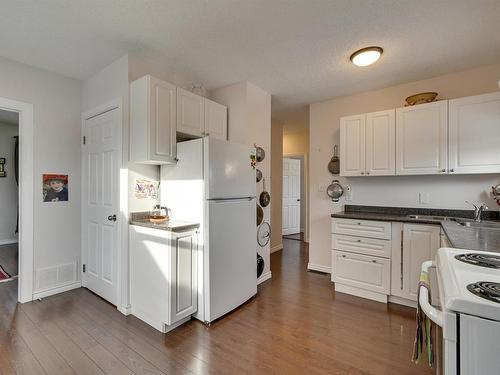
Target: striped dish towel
424, 325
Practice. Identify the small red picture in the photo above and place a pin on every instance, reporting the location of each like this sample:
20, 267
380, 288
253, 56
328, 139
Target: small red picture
55, 187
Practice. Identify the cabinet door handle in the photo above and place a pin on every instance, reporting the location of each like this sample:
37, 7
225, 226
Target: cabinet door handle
112, 217
443, 170
367, 173
362, 173
452, 170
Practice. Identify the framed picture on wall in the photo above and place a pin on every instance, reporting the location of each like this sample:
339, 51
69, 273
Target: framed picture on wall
55, 187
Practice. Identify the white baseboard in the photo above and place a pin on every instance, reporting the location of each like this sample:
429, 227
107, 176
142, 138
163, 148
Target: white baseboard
8, 241
264, 277
277, 247
379, 297
125, 310
402, 301
57, 290
319, 268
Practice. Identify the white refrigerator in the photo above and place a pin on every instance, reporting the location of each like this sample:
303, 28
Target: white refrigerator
213, 183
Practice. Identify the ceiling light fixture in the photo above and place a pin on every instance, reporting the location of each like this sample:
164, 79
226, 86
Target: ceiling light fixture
366, 56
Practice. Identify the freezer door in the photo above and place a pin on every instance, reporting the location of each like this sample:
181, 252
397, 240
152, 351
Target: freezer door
228, 173
231, 263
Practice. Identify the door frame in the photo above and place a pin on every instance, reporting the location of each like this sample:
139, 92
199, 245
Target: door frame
26, 196
305, 173
122, 227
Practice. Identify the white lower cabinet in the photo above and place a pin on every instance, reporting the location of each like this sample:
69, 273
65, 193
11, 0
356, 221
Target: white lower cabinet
420, 243
163, 276
386, 264
362, 271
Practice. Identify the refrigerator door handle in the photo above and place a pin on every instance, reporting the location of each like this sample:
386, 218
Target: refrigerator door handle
232, 199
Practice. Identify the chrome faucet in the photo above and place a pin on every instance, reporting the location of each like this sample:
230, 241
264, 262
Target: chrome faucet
478, 210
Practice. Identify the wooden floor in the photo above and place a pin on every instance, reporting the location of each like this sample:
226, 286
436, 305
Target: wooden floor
296, 325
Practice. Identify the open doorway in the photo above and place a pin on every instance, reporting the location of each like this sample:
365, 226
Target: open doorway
294, 199
9, 196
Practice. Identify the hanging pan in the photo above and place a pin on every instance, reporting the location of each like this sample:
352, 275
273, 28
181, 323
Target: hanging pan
258, 175
260, 154
260, 215
334, 164
264, 198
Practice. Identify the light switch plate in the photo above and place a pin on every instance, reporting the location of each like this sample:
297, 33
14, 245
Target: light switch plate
348, 193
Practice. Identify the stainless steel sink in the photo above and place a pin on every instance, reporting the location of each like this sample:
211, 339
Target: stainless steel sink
482, 224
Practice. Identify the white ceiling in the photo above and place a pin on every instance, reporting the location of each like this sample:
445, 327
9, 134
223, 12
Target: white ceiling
9, 117
298, 50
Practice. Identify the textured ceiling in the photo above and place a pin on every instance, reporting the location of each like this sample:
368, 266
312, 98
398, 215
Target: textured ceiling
298, 50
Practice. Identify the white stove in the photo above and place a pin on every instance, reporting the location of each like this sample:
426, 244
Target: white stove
469, 295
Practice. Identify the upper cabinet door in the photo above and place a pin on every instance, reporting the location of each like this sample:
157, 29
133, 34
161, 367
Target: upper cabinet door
352, 145
421, 139
381, 143
474, 141
215, 120
152, 121
190, 113
162, 133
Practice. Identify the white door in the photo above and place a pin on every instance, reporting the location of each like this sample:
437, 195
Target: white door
291, 196
475, 134
215, 120
101, 191
422, 138
190, 113
352, 145
420, 243
381, 143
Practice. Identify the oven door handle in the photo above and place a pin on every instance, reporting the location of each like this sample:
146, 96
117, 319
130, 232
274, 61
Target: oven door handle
423, 297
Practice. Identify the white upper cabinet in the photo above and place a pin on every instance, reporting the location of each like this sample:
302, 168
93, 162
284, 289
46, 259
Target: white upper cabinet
190, 113
352, 145
474, 134
381, 143
152, 121
421, 139
215, 119
367, 144
198, 116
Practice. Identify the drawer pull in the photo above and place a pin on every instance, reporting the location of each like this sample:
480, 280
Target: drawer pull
374, 261
359, 223
359, 240
344, 256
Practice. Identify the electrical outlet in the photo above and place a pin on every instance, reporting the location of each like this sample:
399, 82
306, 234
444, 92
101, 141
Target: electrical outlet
423, 198
348, 193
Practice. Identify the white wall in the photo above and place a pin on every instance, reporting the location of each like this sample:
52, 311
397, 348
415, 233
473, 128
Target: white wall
56, 105
8, 187
249, 116
445, 191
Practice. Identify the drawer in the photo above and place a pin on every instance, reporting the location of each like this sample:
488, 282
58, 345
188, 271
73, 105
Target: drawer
361, 271
362, 228
362, 245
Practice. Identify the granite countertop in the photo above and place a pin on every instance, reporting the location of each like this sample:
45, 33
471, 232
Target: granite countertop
142, 219
460, 237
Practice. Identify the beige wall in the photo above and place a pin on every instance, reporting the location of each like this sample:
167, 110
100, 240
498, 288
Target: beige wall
296, 142
390, 191
276, 184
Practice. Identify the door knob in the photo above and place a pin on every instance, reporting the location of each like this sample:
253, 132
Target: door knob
112, 217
